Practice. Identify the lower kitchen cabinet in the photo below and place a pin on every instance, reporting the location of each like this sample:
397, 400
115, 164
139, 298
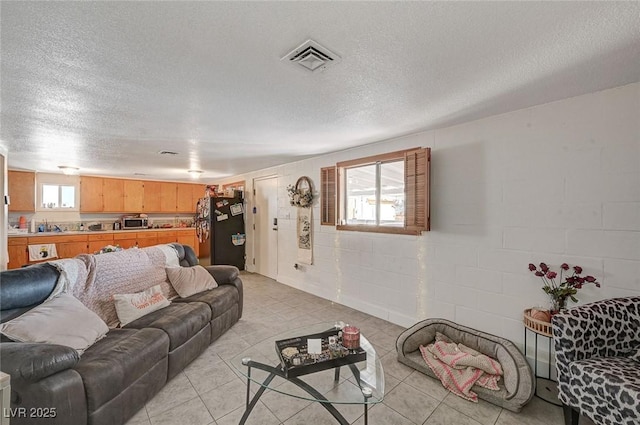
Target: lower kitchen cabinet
148, 238
99, 241
70, 245
17, 250
125, 240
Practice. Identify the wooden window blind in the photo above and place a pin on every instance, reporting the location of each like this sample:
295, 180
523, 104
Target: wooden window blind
416, 174
328, 195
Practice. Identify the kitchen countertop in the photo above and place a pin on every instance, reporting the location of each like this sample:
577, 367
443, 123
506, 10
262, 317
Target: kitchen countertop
89, 232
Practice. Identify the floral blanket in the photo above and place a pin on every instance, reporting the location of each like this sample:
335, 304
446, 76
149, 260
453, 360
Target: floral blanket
122, 272
459, 368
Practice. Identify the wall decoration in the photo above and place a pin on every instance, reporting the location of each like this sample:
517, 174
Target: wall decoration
305, 242
301, 195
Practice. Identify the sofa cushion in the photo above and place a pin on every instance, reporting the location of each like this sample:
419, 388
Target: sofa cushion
607, 381
62, 320
219, 299
130, 307
188, 281
114, 363
180, 321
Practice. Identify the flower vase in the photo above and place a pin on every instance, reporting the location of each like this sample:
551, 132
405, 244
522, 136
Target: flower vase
558, 304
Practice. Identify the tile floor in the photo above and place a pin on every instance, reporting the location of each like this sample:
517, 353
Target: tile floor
209, 392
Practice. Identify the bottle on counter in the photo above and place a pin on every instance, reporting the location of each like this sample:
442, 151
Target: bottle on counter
82, 227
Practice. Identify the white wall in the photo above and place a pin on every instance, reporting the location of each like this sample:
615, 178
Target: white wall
557, 183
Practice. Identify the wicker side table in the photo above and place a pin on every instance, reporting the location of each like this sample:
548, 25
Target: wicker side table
546, 388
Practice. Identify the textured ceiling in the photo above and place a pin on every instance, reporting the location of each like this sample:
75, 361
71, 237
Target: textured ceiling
104, 86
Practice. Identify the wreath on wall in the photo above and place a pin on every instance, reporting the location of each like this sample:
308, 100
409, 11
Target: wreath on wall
301, 195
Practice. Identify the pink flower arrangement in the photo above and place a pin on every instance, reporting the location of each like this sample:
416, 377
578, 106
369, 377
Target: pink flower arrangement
567, 288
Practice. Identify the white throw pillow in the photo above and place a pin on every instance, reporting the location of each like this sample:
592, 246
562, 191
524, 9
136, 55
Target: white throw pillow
130, 307
62, 320
190, 280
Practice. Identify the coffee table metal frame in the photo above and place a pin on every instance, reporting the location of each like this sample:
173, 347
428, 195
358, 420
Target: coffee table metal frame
277, 371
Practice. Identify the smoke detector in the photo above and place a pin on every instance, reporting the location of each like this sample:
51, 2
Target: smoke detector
312, 56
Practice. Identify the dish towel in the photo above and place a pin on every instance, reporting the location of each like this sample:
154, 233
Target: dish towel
42, 252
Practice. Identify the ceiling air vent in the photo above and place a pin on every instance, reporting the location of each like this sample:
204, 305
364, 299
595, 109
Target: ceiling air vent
312, 56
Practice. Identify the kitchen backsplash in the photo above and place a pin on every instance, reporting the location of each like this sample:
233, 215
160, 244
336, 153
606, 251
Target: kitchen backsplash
90, 222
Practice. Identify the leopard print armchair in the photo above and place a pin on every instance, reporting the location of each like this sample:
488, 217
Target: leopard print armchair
597, 352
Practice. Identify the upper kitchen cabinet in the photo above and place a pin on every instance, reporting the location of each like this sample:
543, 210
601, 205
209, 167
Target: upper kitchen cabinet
197, 192
91, 194
186, 203
168, 197
133, 196
113, 195
151, 201
22, 191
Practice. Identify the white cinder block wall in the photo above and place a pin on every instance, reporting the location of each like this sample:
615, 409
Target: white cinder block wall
556, 183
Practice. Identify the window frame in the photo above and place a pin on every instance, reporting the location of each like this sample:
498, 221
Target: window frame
417, 191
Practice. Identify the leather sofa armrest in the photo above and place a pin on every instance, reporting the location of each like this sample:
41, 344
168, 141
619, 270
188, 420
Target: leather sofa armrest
33, 362
228, 275
224, 275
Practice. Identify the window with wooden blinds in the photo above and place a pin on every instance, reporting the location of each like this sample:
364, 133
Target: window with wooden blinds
386, 193
328, 196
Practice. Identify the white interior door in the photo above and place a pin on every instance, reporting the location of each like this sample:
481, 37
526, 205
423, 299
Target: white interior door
266, 222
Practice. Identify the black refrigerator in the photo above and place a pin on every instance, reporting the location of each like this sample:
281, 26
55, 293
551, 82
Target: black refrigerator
227, 231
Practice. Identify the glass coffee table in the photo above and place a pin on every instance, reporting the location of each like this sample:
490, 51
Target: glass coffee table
361, 384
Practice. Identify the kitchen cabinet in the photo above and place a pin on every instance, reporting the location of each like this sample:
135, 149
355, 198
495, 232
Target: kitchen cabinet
188, 237
91, 194
151, 200
185, 236
17, 250
125, 240
70, 245
98, 241
71, 249
133, 196
184, 202
168, 201
67, 246
167, 236
22, 191
113, 195
146, 238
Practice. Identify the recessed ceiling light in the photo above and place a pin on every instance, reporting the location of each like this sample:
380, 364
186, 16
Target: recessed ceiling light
68, 170
195, 174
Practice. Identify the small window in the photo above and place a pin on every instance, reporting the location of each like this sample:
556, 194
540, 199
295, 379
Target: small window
58, 197
56, 193
386, 193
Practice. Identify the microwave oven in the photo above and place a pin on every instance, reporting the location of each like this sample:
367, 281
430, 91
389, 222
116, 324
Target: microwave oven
134, 223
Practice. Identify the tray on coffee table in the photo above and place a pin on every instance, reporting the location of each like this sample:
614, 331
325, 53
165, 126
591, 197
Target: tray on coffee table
296, 361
